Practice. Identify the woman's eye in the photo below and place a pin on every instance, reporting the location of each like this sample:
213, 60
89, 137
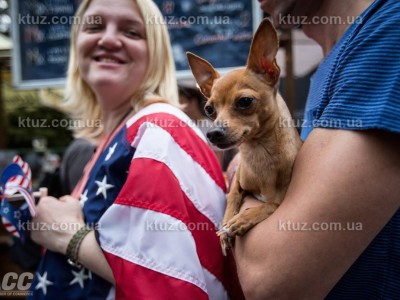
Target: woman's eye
91, 28
133, 34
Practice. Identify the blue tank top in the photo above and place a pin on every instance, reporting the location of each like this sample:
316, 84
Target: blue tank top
357, 87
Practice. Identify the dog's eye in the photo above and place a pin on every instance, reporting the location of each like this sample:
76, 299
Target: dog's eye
244, 103
210, 111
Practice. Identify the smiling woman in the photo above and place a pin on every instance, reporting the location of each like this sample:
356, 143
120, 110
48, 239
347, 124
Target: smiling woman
122, 36
151, 166
113, 56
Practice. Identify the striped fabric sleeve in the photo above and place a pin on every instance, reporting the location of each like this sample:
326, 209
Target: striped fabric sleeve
159, 235
364, 90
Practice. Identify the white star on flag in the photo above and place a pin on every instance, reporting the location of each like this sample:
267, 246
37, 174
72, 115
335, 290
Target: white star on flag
43, 283
103, 187
83, 198
17, 214
6, 210
79, 277
111, 151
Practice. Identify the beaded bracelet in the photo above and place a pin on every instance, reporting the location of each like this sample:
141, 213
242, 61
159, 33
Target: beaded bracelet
74, 245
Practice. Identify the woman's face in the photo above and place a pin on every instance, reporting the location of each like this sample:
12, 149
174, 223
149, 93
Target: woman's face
112, 48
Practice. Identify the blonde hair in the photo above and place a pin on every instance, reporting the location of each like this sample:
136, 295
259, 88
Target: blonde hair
159, 81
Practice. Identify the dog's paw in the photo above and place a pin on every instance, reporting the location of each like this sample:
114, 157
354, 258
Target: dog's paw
239, 225
225, 240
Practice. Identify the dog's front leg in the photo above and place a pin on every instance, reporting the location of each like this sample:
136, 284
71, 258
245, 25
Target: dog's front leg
247, 219
233, 203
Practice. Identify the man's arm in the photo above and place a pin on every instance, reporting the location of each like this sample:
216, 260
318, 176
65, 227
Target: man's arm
346, 177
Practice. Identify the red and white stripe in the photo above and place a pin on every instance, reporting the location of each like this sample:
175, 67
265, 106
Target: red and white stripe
10, 227
27, 182
159, 235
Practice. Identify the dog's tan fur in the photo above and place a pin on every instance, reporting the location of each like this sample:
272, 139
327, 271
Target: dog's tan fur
267, 149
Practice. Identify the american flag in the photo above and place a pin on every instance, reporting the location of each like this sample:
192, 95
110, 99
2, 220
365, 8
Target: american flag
157, 196
21, 179
16, 178
15, 219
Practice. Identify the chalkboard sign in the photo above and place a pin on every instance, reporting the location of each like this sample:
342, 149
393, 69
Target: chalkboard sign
41, 41
218, 30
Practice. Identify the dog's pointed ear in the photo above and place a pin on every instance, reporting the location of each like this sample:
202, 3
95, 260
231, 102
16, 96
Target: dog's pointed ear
203, 72
263, 50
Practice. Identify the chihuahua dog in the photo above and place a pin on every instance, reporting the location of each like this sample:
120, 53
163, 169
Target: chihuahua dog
247, 111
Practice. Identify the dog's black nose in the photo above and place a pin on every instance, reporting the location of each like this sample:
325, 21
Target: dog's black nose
216, 135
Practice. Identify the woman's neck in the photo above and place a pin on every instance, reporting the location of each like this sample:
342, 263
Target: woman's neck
112, 118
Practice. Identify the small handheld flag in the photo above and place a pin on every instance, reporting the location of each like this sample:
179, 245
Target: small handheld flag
16, 178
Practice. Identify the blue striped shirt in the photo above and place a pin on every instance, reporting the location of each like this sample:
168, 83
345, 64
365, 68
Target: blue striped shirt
357, 87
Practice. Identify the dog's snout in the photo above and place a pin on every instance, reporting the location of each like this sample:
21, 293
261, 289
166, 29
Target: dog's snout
216, 134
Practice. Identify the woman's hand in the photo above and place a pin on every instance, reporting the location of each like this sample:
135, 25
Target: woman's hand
56, 222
